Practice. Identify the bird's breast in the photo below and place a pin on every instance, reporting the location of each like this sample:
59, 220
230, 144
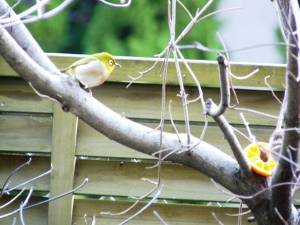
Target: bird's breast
91, 74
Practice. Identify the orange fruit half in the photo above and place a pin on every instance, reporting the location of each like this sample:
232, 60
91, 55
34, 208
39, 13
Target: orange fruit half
252, 152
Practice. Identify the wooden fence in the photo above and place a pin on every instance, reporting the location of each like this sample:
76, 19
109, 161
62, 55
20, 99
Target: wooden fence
35, 127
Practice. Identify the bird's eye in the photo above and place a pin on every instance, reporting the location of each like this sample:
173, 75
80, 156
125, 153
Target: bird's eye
111, 62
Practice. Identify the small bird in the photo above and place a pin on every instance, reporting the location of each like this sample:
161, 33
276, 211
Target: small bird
93, 70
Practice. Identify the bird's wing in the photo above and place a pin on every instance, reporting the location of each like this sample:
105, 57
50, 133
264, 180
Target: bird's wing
82, 61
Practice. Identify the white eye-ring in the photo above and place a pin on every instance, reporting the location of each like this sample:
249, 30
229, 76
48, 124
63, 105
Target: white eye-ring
111, 62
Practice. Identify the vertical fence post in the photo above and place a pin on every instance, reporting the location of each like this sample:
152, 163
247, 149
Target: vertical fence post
63, 160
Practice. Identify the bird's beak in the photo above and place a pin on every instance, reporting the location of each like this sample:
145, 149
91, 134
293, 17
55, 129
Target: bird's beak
117, 64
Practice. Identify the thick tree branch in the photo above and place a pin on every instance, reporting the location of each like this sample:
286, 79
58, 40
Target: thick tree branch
224, 87
234, 144
216, 112
290, 145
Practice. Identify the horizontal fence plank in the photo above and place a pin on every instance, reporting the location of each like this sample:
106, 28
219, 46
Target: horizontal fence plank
17, 96
143, 101
25, 133
33, 216
37, 166
134, 102
124, 179
91, 143
205, 71
171, 213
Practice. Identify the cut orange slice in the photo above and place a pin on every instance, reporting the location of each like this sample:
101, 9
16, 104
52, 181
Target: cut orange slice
252, 152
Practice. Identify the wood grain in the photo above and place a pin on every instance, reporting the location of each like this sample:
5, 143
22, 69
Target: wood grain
25, 133
171, 213
93, 144
17, 96
33, 216
37, 166
205, 71
63, 161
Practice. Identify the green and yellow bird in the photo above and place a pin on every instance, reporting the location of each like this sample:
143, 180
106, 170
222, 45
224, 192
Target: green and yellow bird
93, 70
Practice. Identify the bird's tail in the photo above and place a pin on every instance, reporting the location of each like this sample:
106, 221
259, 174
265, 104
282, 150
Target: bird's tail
69, 71
64, 70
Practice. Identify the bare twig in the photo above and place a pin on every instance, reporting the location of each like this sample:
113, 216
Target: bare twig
164, 150
184, 148
271, 89
23, 205
211, 108
229, 69
59, 196
42, 95
84, 219
200, 138
28, 181
122, 212
10, 9
279, 155
183, 6
216, 218
280, 216
25, 13
245, 136
191, 24
148, 180
240, 211
145, 207
159, 217
168, 154
291, 118
199, 46
244, 77
7, 180
41, 16
288, 26
144, 196
251, 136
194, 78
148, 70
238, 214
216, 12
12, 200
116, 5
296, 186
280, 24
51, 199
257, 112
163, 103
253, 195
172, 122
183, 96
234, 144
94, 220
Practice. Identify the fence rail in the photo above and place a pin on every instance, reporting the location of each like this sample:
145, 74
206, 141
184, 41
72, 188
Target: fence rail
36, 127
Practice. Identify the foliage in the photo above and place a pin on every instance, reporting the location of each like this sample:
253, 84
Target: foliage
139, 30
142, 29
